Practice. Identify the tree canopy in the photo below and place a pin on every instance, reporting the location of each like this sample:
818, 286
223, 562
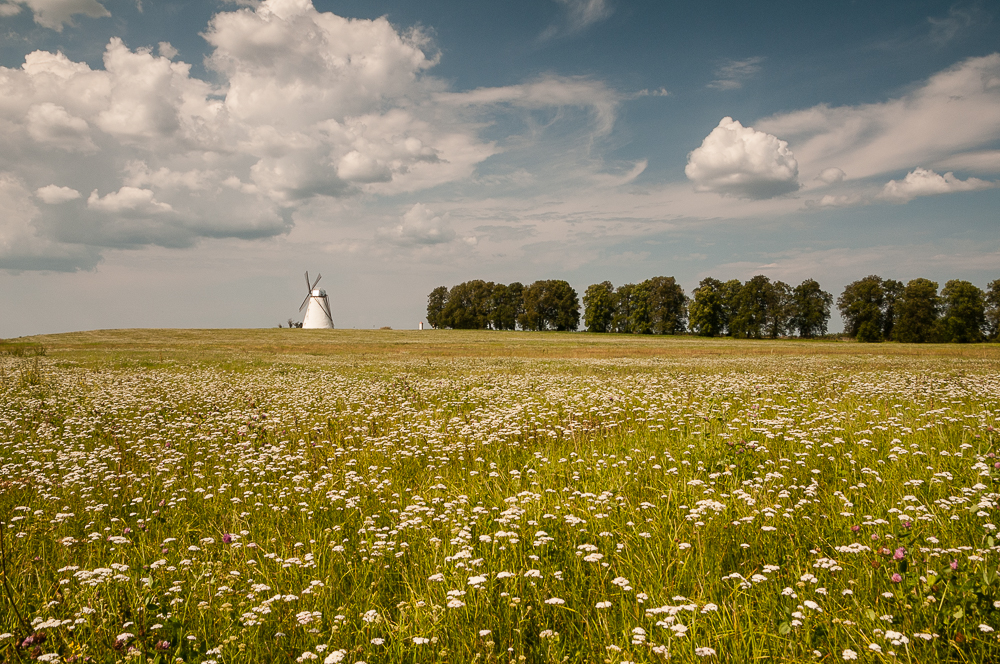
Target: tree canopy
599, 307
918, 310
708, 311
964, 313
861, 306
550, 305
992, 298
810, 309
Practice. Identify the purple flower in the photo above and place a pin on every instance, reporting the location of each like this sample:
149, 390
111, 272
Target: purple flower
874, 536
896, 578
954, 564
899, 554
163, 645
227, 538
855, 529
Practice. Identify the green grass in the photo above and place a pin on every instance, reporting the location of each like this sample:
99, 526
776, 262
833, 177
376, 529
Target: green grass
490, 492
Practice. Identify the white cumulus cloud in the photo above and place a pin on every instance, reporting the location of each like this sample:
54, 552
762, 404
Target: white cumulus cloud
54, 194
167, 50
357, 167
418, 226
303, 106
740, 161
53, 126
127, 199
22, 246
924, 182
831, 175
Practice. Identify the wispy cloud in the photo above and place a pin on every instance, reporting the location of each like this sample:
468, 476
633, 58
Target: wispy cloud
55, 14
955, 24
578, 16
954, 112
546, 92
731, 74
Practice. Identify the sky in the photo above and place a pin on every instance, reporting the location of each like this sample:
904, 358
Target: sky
182, 163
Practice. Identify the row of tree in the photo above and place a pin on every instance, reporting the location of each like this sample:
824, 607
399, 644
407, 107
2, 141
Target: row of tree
873, 309
759, 308
483, 305
876, 309
655, 306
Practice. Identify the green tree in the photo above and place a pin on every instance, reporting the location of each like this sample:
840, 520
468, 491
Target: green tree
599, 307
550, 305
892, 292
860, 306
964, 317
625, 303
810, 309
436, 303
641, 321
730, 303
918, 310
666, 305
469, 305
707, 310
993, 309
779, 310
754, 303
507, 304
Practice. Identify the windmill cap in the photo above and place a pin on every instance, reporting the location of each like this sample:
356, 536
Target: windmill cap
318, 292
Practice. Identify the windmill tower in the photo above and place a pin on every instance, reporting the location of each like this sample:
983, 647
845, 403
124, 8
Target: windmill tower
318, 314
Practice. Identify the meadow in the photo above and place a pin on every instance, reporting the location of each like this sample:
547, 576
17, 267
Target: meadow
385, 496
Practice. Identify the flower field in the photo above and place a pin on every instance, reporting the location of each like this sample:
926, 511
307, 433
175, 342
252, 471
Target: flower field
426, 508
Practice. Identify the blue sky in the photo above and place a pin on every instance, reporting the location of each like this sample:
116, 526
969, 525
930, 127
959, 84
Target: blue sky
180, 164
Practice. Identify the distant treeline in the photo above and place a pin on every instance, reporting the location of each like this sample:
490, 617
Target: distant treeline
484, 305
873, 309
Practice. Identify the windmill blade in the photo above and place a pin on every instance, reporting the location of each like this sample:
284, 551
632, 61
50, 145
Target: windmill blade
318, 277
305, 301
308, 287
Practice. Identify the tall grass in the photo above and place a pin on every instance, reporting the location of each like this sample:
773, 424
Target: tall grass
458, 509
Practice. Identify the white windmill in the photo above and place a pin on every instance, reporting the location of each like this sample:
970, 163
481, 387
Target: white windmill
318, 314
